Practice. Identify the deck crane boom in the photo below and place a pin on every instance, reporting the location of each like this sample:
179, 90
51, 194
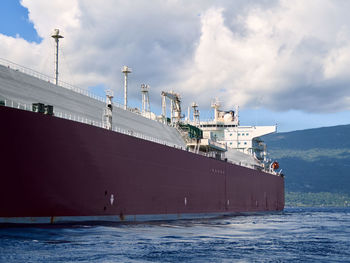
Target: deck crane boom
175, 106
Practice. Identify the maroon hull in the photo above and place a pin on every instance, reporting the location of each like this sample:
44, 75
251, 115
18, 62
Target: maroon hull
52, 167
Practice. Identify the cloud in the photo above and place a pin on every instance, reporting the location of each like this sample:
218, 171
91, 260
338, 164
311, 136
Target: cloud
279, 55
293, 55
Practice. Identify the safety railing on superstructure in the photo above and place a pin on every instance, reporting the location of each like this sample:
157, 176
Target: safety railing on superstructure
49, 79
63, 115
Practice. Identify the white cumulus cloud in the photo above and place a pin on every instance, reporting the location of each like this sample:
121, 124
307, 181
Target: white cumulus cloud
280, 55
293, 55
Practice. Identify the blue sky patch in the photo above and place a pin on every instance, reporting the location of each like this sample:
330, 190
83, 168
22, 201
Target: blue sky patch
99, 90
14, 21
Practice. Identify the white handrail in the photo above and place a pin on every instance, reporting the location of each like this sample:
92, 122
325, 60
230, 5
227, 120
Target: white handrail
49, 79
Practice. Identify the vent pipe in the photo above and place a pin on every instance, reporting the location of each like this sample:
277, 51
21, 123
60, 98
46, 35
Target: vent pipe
126, 70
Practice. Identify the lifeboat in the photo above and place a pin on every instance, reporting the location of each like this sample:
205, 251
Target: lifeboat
275, 165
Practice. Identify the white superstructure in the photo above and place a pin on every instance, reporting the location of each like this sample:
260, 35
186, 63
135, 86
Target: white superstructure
225, 129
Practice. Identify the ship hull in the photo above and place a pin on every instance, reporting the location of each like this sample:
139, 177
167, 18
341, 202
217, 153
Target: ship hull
55, 170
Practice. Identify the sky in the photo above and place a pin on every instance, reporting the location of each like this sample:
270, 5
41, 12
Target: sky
283, 62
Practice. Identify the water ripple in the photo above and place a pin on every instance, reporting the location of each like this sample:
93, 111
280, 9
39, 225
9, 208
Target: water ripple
298, 235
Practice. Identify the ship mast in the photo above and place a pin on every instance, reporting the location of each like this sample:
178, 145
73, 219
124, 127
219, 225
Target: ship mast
216, 105
145, 99
196, 120
56, 35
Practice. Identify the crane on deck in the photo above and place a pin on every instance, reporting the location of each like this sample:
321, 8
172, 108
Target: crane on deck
175, 106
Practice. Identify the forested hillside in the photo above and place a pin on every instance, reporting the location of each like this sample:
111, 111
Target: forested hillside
316, 163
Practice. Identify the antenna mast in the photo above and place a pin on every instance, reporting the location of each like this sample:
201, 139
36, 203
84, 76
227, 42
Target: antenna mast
56, 35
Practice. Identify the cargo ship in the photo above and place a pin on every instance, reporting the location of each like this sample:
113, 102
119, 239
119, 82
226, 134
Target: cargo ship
69, 156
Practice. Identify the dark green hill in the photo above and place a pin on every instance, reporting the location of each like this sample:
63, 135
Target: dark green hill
314, 161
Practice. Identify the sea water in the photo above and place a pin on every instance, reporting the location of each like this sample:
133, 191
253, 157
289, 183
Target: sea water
296, 235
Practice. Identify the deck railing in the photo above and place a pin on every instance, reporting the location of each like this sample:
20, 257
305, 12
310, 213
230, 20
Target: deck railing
48, 79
